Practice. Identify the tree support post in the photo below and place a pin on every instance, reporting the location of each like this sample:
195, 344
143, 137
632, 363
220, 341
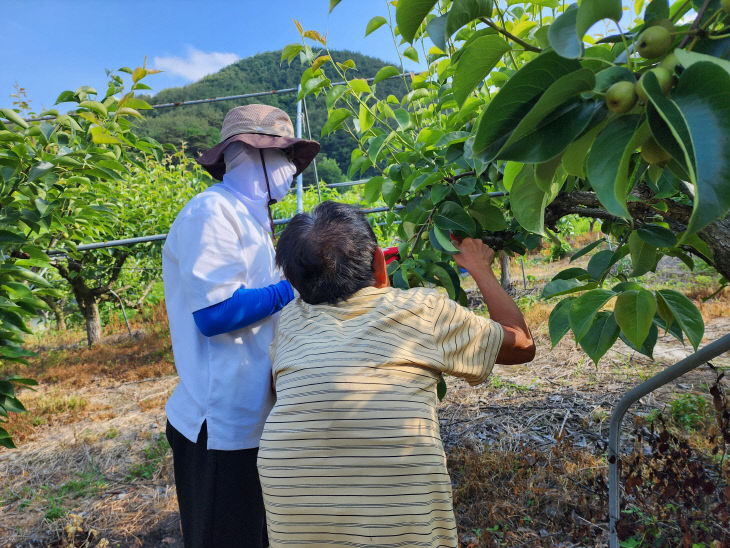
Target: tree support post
691, 362
300, 187
124, 312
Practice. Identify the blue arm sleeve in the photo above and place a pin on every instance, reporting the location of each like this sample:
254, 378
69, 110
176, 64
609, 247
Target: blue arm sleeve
245, 307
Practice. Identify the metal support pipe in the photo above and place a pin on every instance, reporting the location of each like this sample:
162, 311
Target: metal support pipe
300, 187
703, 355
111, 243
524, 279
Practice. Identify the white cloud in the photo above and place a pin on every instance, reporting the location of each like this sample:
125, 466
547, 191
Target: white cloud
197, 63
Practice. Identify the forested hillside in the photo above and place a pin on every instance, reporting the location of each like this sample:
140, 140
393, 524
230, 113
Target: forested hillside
198, 126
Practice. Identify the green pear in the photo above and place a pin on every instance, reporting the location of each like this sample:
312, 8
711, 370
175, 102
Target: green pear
725, 5
667, 24
670, 61
654, 42
653, 154
664, 77
621, 97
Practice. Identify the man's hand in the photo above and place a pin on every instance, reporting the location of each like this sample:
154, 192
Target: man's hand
475, 256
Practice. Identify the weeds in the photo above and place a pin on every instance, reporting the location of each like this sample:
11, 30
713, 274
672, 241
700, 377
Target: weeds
154, 454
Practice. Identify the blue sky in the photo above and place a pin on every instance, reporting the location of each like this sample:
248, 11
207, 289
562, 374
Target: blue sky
50, 46
53, 45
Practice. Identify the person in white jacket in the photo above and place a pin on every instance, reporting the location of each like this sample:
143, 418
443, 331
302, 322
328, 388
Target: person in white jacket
223, 290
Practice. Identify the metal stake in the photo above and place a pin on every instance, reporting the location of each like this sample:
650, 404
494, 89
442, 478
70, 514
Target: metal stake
703, 355
300, 188
124, 312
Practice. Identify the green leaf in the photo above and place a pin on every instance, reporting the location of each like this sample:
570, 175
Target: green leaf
685, 313
101, 135
436, 29
584, 309
442, 277
14, 117
599, 263
554, 134
643, 255
359, 86
559, 321
96, 107
402, 117
608, 77
516, 98
334, 3
411, 53
333, 94
572, 273
312, 85
374, 24
441, 241
409, 14
511, 171
656, 11
634, 313
600, 337
689, 58
574, 157
38, 170
657, 236
563, 35
592, 11
528, 202
487, 215
477, 59
453, 217
647, 347
385, 72
698, 115
564, 287
441, 388
335, 119
608, 163
587, 249
465, 11
5, 439
366, 118
372, 189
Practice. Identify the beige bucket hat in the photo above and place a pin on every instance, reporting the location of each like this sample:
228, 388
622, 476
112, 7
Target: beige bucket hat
259, 126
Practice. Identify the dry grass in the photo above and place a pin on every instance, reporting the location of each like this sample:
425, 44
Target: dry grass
522, 449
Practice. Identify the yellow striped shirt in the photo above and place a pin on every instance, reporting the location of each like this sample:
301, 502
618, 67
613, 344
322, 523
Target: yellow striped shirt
351, 453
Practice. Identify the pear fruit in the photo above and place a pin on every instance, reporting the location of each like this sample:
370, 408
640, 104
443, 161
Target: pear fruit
664, 77
670, 61
667, 24
621, 97
653, 154
654, 42
725, 5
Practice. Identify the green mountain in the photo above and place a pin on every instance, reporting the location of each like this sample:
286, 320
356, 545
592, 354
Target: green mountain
198, 126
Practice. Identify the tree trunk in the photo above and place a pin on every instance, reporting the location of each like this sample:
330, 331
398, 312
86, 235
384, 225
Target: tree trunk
93, 322
504, 266
59, 315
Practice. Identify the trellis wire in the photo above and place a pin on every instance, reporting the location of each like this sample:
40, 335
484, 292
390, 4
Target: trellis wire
224, 98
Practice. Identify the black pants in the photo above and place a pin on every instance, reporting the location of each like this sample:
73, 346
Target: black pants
218, 493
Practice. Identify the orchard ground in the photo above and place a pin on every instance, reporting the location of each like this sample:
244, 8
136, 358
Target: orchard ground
526, 450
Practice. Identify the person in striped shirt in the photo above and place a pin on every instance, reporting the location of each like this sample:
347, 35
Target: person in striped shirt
351, 453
